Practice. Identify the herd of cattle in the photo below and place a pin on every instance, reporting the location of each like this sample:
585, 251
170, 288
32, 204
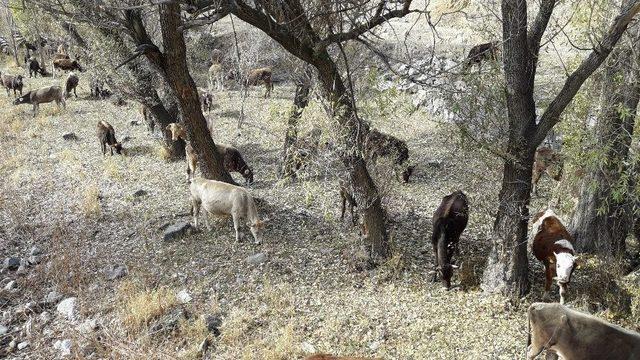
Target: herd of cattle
553, 327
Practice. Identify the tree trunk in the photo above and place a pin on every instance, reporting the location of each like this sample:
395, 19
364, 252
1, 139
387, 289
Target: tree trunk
11, 25
300, 101
175, 70
353, 133
602, 221
164, 117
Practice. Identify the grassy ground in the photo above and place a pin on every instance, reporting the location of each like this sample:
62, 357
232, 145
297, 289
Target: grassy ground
79, 207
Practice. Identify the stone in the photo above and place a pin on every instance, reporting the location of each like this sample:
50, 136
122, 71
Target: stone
308, 348
68, 308
70, 136
88, 326
3, 330
34, 259
45, 317
177, 231
10, 285
140, 193
12, 263
64, 346
213, 324
183, 296
114, 272
257, 259
52, 297
23, 345
35, 251
168, 322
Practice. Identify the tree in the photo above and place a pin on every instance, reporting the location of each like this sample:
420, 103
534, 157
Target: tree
507, 265
604, 216
300, 101
308, 30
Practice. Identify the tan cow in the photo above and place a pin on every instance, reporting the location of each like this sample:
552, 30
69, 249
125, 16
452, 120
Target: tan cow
177, 133
547, 161
42, 95
216, 77
573, 335
258, 76
220, 198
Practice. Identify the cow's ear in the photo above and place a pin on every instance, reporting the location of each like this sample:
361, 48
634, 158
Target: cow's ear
578, 261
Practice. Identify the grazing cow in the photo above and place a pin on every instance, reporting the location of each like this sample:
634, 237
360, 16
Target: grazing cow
66, 65
347, 198
331, 357
71, 84
553, 245
216, 56
449, 221
107, 136
12, 82
59, 56
378, 144
220, 198
216, 77
549, 161
571, 334
42, 95
98, 91
482, 52
257, 76
35, 68
206, 99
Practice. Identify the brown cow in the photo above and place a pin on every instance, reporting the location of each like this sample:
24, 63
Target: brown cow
548, 161
257, 76
107, 136
66, 65
449, 221
482, 52
552, 244
42, 95
378, 144
571, 334
12, 82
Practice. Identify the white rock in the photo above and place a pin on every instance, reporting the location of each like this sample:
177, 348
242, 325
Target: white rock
63, 346
45, 317
88, 326
10, 285
183, 296
67, 308
52, 297
23, 345
3, 330
308, 348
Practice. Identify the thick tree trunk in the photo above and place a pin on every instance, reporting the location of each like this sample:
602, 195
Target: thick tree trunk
602, 221
164, 117
176, 72
300, 101
353, 133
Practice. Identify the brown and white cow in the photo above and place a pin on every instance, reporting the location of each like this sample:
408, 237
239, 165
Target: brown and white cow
571, 334
547, 161
553, 245
449, 221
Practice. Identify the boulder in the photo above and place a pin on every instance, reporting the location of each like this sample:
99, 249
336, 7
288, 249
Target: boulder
12, 263
177, 231
63, 346
68, 308
257, 259
70, 136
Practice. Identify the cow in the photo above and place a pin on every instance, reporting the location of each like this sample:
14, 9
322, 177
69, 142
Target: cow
12, 82
35, 68
482, 52
571, 334
378, 144
216, 77
220, 198
107, 136
66, 65
71, 84
232, 158
98, 90
42, 95
257, 76
549, 161
206, 99
449, 221
553, 245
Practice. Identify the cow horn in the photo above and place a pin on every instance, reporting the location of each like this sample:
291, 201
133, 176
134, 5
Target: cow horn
455, 266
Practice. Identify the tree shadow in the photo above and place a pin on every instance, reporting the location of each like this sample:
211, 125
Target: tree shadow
139, 150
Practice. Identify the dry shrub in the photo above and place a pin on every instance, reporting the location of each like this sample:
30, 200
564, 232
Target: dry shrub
237, 326
284, 347
67, 271
112, 168
598, 287
91, 202
163, 152
140, 306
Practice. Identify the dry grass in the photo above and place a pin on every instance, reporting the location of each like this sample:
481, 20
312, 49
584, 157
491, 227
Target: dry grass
91, 201
140, 306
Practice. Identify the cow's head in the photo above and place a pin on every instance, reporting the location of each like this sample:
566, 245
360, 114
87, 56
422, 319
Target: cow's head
24, 99
117, 147
565, 264
406, 174
446, 270
247, 174
176, 131
257, 229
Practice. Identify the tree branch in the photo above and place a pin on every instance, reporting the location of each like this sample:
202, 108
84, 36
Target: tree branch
540, 24
551, 116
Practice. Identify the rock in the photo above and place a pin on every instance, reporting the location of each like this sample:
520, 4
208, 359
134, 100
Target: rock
45, 317
35, 251
213, 324
68, 308
34, 259
3, 330
374, 345
70, 136
134, 123
308, 348
126, 139
88, 326
140, 193
177, 231
168, 322
64, 346
114, 272
23, 345
10, 285
183, 296
12, 263
52, 297
257, 259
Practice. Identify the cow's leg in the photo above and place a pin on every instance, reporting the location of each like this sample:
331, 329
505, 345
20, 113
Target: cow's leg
354, 214
236, 225
435, 256
563, 292
188, 171
344, 206
195, 211
74, 93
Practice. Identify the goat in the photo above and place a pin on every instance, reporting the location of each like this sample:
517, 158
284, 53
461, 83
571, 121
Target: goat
107, 136
66, 65
42, 95
378, 144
